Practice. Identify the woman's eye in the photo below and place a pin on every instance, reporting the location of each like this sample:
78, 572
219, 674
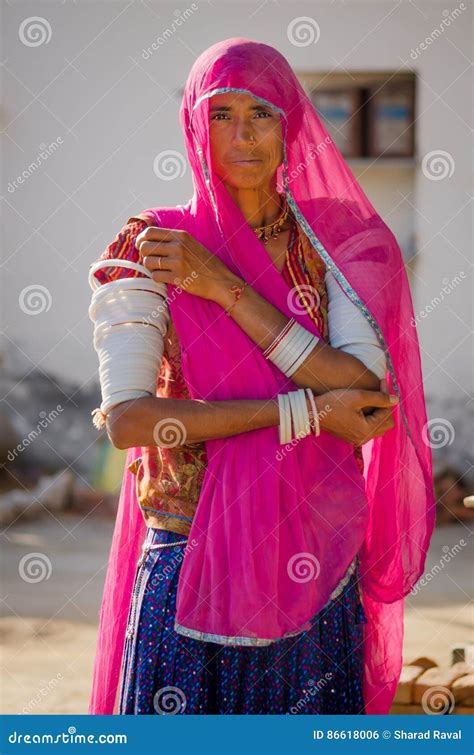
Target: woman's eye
218, 116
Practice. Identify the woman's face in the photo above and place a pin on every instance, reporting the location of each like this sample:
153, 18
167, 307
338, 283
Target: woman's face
246, 140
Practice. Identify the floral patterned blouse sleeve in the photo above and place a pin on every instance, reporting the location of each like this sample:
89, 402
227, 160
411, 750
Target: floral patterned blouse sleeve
122, 248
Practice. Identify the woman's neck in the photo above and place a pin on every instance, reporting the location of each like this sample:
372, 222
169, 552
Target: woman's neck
259, 206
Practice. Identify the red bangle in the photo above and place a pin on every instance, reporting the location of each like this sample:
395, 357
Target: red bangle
312, 424
279, 338
237, 291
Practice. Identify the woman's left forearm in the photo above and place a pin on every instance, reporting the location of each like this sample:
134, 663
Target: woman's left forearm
325, 369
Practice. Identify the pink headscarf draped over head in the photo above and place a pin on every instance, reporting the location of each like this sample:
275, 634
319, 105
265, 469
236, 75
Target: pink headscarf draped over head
261, 513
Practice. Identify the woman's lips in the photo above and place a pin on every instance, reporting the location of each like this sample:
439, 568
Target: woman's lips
246, 162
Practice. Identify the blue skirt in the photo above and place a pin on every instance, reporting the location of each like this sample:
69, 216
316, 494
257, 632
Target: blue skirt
316, 672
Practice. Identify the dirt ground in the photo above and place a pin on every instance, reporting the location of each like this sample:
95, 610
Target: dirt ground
48, 626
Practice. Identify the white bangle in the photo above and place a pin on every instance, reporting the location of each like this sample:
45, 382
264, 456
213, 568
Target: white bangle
285, 418
280, 335
310, 344
290, 348
312, 401
298, 414
276, 345
294, 415
129, 352
278, 355
293, 344
305, 412
111, 262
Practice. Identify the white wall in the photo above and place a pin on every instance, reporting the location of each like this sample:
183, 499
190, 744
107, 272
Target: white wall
110, 112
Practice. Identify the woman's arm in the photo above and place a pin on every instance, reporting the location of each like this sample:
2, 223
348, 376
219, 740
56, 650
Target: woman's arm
188, 263
325, 369
157, 421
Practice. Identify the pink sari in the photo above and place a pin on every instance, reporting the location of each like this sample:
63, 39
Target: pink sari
261, 518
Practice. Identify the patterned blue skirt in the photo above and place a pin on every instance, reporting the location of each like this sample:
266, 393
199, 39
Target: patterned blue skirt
316, 672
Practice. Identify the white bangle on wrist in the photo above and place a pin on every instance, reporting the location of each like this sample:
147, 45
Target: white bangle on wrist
295, 421
312, 401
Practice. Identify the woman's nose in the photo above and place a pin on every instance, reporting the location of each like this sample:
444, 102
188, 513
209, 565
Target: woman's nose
242, 133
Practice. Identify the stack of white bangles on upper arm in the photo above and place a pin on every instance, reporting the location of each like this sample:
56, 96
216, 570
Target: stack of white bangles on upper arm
350, 331
130, 317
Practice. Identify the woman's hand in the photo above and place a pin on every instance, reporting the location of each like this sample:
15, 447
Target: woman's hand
342, 414
176, 257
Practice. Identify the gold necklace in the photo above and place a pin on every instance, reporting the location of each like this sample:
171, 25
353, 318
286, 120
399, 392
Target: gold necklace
271, 231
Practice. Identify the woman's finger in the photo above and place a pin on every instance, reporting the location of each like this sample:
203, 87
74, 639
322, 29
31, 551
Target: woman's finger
380, 421
374, 398
151, 248
160, 262
153, 233
165, 276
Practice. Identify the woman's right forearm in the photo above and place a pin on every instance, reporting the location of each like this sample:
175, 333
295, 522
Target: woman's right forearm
170, 422
158, 421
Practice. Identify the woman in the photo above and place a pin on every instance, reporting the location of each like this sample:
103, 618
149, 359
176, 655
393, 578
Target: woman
294, 525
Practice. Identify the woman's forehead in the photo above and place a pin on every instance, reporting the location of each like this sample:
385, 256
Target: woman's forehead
235, 100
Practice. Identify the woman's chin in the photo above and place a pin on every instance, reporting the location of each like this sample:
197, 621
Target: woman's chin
245, 179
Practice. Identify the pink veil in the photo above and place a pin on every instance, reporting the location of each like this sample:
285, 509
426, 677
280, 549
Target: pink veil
262, 519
